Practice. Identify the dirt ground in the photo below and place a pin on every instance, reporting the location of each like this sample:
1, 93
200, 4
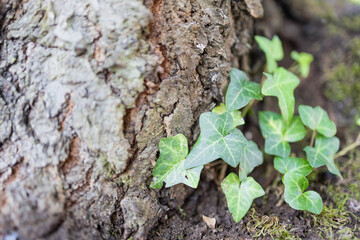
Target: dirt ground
330, 30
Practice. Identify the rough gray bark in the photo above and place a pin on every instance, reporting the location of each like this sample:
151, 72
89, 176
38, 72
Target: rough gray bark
87, 89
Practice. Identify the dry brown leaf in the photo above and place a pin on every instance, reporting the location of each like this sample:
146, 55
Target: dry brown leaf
210, 222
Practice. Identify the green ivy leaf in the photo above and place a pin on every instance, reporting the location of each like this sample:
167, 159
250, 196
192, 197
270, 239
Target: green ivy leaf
304, 60
273, 51
169, 167
323, 153
252, 157
278, 134
236, 115
239, 197
358, 122
292, 164
217, 141
282, 85
241, 90
295, 185
317, 119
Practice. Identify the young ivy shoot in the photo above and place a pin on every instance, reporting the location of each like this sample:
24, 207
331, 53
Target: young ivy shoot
220, 138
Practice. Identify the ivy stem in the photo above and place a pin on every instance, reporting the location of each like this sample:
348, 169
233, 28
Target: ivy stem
252, 101
292, 67
313, 138
349, 147
247, 108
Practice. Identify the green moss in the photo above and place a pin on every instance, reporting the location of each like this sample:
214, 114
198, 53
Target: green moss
341, 192
343, 80
335, 219
125, 179
351, 23
330, 222
263, 225
317, 8
339, 197
354, 188
347, 233
344, 26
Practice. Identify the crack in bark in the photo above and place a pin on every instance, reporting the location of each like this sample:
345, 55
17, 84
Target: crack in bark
151, 84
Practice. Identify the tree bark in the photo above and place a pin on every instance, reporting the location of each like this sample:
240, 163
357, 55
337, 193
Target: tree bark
87, 90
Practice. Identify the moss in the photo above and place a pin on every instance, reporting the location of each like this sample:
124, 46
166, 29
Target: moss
330, 222
263, 225
354, 188
344, 26
321, 9
347, 233
125, 179
339, 197
351, 23
341, 192
343, 80
335, 219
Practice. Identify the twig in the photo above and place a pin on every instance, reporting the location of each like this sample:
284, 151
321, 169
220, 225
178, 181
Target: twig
349, 147
313, 138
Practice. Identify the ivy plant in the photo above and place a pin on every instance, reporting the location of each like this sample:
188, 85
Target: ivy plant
295, 185
323, 153
292, 164
273, 51
304, 60
318, 120
170, 165
221, 138
218, 140
240, 194
278, 133
282, 85
241, 91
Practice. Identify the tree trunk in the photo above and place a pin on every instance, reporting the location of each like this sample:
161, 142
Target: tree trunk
87, 90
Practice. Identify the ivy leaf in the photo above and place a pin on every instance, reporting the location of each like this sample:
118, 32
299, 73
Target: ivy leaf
292, 164
252, 157
241, 90
295, 185
317, 119
282, 85
278, 134
323, 153
239, 196
358, 122
169, 167
273, 51
217, 141
236, 115
304, 60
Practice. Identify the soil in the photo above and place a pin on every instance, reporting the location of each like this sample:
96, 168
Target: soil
302, 29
